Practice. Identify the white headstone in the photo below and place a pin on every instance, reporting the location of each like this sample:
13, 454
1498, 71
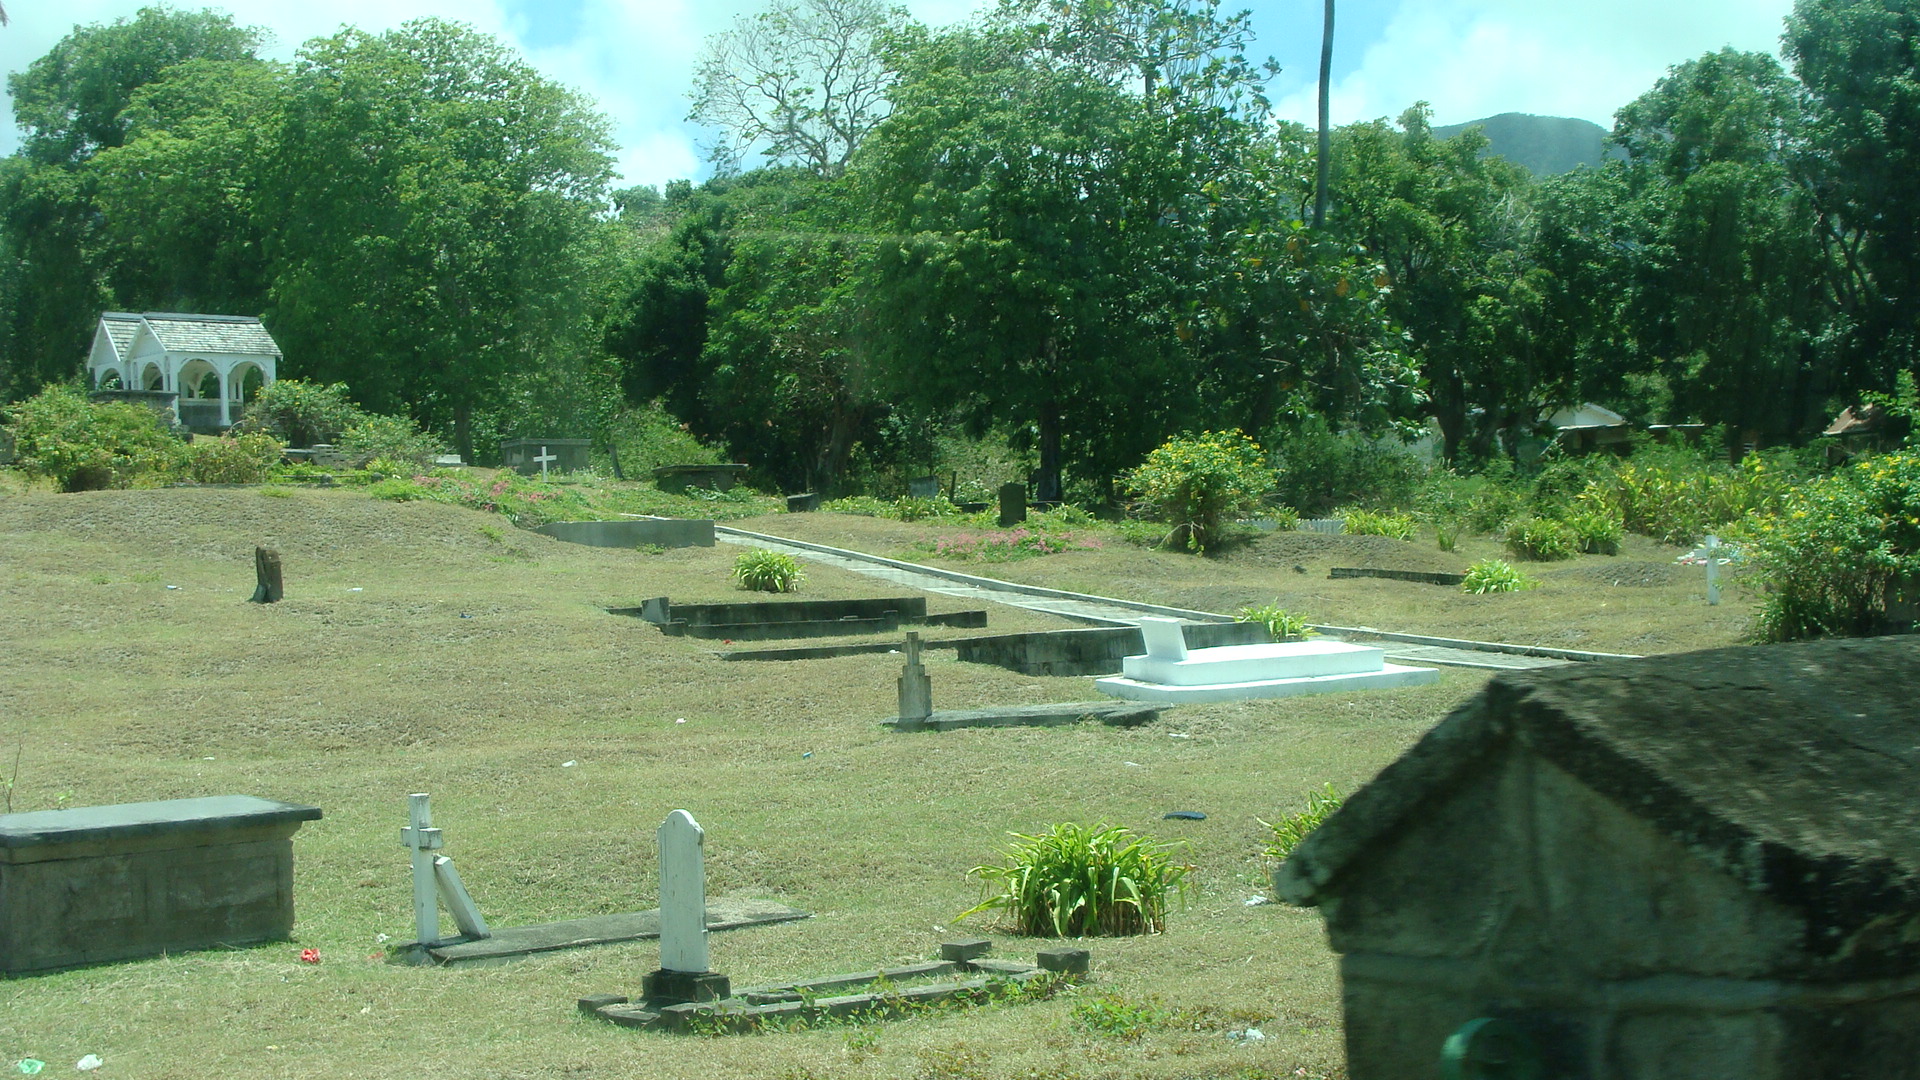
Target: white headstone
683, 894
1713, 570
543, 457
1165, 641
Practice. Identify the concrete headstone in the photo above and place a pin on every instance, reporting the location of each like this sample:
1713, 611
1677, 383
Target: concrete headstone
1165, 640
683, 894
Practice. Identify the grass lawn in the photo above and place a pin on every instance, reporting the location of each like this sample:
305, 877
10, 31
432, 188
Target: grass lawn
424, 647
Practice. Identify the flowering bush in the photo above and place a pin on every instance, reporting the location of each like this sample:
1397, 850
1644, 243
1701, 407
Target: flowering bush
1841, 556
246, 458
1197, 483
524, 501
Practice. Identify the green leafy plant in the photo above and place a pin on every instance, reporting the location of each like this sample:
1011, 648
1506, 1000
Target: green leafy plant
1369, 523
1196, 483
1841, 557
1539, 539
1594, 532
83, 446
1284, 625
1118, 1017
301, 413
1076, 880
397, 489
1007, 545
245, 458
395, 438
1288, 831
767, 571
1447, 535
1494, 576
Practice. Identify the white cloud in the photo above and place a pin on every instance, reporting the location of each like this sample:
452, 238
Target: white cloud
1475, 58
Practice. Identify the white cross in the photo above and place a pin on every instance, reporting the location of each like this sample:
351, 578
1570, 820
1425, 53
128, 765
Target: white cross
543, 457
424, 839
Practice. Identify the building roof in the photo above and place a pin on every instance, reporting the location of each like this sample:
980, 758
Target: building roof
120, 326
1794, 769
188, 333
1857, 420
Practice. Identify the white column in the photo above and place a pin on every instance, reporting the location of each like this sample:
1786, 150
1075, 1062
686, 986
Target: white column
226, 397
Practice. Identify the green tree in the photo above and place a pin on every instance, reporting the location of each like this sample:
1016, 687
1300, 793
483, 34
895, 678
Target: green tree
1859, 61
1028, 270
450, 242
1724, 289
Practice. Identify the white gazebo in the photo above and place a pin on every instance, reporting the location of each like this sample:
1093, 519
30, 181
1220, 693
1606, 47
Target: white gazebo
214, 364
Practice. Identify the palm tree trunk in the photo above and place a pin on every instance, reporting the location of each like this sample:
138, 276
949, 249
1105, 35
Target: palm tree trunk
1325, 154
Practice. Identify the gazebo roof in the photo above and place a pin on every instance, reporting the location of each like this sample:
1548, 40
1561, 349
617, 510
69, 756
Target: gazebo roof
178, 332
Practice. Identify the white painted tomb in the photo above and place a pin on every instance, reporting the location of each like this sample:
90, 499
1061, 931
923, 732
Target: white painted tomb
1171, 673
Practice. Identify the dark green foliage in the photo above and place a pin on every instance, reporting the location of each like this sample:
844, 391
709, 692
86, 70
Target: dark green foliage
302, 413
1540, 539
1319, 469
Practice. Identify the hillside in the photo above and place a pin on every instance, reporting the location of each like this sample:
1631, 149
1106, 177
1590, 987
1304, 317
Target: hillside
1545, 145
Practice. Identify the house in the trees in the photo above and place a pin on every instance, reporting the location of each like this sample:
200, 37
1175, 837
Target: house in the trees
203, 367
1695, 867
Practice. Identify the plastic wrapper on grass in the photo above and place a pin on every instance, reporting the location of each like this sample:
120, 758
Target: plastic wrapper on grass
767, 571
1081, 881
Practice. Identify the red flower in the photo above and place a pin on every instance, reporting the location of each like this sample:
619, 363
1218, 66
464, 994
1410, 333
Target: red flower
309, 956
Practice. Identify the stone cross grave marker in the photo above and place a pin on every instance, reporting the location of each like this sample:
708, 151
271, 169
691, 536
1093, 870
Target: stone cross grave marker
1713, 570
435, 879
683, 894
543, 457
916, 688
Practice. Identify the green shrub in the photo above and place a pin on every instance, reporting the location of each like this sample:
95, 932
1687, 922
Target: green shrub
1319, 469
247, 458
1197, 483
1594, 533
1284, 625
1677, 496
649, 436
1116, 1017
301, 413
1076, 881
1841, 556
1447, 534
1539, 539
1368, 523
81, 446
395, 438
397, 489
768, 571
1495, 575
1293, 828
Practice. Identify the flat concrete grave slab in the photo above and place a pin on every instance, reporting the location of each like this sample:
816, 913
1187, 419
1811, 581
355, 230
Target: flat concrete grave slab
104, 883
1422, 576
1095, 651
772, 619
1111, 713
509, 943
967, 977
633, 532
1171, 673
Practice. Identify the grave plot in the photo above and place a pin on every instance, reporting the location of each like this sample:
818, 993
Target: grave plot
917, 712
686, 994
1169, 673
772, 619
437, 883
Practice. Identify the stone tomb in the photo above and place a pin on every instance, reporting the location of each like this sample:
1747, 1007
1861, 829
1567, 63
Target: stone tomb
763, 620
542, 457
103, 883
1693, 867
1172, 673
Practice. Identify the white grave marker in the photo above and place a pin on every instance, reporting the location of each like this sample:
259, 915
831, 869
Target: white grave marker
1713, 570
543, 457
1165, 640
424, 839
683, 894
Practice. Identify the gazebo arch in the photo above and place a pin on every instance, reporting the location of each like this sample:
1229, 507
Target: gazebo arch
110, 380
153, 378
245, 382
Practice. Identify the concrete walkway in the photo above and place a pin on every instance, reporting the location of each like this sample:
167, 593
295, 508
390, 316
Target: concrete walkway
1108, 611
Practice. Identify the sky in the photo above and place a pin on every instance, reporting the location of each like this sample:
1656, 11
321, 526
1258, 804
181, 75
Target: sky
1467, 58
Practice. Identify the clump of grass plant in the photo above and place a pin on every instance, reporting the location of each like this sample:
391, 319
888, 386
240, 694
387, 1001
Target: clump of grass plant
767, 571
1282, 624
1288, 831
1594, 533
1079, 881
1495, 576
1540, 539
1369, 523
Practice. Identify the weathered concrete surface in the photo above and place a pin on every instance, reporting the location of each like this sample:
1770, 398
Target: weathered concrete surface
632, 532
1098, 651
103, 883
1696, 866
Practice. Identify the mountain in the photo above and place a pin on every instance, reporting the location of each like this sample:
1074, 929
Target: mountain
1544, 144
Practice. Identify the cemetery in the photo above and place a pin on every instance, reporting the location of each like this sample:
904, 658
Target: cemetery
417, 647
